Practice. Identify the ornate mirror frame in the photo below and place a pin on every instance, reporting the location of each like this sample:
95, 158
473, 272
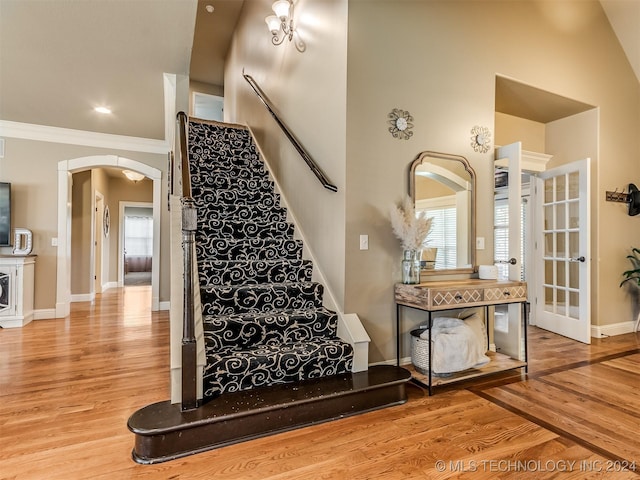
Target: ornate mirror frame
420, 159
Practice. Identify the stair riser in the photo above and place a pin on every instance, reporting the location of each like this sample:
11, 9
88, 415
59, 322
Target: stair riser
255, 249
203, 162
221, 332
232, 197
237, 229
229, 300
249, 213
239, 371
242, 273
203, 183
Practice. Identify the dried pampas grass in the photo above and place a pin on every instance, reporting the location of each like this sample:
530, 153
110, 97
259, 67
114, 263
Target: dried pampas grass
412, 230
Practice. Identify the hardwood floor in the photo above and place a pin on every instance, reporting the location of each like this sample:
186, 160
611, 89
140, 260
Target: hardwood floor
68, 386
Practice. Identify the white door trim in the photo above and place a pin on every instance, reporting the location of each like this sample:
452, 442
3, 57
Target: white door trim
65, 170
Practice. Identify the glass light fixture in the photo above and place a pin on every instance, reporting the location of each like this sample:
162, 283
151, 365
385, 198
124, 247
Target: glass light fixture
133, 176
281, 24
273, 23
281, 9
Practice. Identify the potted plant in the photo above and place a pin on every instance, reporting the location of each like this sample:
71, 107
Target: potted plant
412, 230
633, 276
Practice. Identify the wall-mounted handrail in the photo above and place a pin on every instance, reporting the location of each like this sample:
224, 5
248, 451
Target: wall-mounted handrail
189, 223
303, 153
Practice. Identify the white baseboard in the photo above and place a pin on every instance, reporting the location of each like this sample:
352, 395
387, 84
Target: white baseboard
109, 285
44, 314
83, 297
164, 306
601, 331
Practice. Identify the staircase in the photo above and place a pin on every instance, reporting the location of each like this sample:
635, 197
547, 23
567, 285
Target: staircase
264, 319
274, 360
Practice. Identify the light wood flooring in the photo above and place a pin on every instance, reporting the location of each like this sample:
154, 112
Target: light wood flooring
68, 386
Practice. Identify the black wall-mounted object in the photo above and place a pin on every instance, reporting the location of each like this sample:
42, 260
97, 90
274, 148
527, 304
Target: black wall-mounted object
634, 200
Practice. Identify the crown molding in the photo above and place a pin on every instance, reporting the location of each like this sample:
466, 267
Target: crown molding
43, 133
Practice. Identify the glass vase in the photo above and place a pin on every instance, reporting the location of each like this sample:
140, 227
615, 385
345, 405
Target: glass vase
410, 267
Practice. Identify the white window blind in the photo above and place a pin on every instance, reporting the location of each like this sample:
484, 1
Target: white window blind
443, 235
501, 236
138, 233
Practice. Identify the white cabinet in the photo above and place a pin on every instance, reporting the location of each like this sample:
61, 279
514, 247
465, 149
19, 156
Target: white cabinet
16, 290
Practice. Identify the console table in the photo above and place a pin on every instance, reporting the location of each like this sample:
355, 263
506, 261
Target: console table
449, 295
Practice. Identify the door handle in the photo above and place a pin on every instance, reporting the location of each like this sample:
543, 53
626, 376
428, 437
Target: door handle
511, 261
579, 259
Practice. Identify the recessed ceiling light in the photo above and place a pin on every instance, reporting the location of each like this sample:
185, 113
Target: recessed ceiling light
104, 110
209, 8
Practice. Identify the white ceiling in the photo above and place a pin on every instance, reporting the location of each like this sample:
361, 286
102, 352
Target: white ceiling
61, 58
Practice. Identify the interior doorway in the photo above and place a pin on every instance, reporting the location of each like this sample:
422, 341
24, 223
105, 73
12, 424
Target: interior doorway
136, 243
65, 170
552, 130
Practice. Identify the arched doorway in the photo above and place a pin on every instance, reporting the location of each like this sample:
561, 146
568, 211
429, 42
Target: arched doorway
65, 169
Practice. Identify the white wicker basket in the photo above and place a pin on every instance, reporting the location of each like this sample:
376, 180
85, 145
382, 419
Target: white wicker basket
420, 351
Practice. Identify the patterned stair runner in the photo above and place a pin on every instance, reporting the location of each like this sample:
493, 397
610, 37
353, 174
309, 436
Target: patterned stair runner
264, 321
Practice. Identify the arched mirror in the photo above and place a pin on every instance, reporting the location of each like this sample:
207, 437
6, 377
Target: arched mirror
443, 185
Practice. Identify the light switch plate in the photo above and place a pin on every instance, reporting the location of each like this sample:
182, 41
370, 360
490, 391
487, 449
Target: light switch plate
480, 243
364, 242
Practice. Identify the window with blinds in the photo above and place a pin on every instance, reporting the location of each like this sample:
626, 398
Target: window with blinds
501, 236
138, 236
443, 235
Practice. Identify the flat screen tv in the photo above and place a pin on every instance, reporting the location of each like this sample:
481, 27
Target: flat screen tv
5, 214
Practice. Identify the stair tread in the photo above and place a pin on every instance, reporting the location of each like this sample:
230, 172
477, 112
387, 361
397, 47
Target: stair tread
263, 286
258, 315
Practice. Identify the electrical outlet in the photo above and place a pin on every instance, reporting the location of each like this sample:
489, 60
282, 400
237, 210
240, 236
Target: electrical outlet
480, 243
364, 242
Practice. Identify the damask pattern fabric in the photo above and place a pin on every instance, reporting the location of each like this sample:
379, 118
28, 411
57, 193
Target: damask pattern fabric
264, 318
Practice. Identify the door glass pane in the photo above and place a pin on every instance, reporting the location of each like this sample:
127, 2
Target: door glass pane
549, 250
574, 185
561, 271
548, 272
574, 244
548, 299
548, 190
561, 216
561, 302
548, 217
574, 275
561, 189
574, 305
561, 250
574, 212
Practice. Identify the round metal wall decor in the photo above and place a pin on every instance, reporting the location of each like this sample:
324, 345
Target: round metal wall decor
401, 124
480, 139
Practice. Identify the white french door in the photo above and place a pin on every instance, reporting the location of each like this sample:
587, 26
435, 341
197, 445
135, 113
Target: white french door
562, 251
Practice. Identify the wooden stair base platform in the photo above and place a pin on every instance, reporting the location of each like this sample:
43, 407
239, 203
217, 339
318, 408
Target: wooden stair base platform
163, 432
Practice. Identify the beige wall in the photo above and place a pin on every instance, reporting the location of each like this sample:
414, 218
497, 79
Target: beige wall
32, 168
510, 129
439, 60
309, 90
81, 223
